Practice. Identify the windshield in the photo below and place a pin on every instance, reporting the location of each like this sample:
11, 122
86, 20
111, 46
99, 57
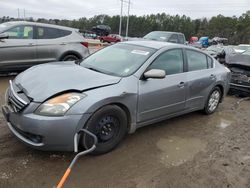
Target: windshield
119, 59
3, 26
159, 36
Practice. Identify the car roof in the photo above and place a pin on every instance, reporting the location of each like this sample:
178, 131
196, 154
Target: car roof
13, 23
153, 44
171, 32
244, 45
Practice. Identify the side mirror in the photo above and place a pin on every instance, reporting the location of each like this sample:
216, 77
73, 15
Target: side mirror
155, 73
4, 36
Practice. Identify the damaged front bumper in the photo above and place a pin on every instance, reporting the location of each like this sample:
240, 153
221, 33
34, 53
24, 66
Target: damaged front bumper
42, 132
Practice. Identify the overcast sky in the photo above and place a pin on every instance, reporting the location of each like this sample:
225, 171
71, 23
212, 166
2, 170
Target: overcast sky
73, 9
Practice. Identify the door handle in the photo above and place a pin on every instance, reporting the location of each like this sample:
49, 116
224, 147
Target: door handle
31, 44
212, 76
181, 84
63, 43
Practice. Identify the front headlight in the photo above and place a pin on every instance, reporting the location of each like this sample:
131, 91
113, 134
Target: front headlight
59, 105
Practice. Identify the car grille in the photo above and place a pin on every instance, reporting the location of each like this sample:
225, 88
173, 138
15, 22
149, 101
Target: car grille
15, 100
240, 78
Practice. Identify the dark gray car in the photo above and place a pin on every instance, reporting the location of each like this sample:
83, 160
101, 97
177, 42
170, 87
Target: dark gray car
112, 92
24, 44
166, 36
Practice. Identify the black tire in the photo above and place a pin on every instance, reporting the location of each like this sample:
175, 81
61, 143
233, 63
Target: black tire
110, 120
210, 106
70, 58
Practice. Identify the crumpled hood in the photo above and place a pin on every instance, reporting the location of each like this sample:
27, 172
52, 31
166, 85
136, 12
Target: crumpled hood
43, 81
239, 60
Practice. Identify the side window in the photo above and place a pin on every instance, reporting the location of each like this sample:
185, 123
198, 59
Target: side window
181, 39
196, 60
173, 38
51, 33
210, 62
20, 32
171, 61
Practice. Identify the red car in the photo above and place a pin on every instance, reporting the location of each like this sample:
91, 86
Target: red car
111, 38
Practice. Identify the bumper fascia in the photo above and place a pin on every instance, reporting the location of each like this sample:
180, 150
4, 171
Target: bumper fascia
57, 132
241, 88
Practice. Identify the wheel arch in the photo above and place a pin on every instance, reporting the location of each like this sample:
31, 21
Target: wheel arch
126, 110
220, 86
120, 105
78, 55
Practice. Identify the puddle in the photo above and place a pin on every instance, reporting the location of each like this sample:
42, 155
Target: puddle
224, 123
176, 150
222, 120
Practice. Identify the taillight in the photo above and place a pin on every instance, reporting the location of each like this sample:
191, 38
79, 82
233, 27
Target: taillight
86, 44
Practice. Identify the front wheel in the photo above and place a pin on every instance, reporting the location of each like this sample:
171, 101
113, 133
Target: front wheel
109, 124
213, 101
70, 58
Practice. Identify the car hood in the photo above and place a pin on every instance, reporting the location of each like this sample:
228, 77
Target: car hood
44, 81
239, 60
210, 52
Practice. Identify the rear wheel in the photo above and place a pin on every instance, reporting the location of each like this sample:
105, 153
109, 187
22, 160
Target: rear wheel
109, 124
70, 58
213, 101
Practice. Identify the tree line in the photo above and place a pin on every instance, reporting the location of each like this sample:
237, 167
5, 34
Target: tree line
236, 29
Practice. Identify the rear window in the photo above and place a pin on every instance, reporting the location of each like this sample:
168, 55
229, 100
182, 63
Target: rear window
51, 33
158, 36
196, 60
181, 39
210, 62
174, 38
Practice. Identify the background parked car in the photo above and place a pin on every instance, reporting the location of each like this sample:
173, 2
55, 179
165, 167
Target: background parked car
166, 36
193, 40
111, 38
242, 48
240, 68
220, 52
204, 42
101, 30
24, 44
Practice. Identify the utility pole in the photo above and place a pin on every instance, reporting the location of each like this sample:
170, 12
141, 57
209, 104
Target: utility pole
120, 27
24, 13
128, 19
18, 14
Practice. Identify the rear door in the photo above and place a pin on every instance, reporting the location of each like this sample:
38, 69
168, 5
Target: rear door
200, 78
50, 43
161, 97
19, 50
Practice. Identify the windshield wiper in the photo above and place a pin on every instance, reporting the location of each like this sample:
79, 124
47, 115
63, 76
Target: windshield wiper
94, 69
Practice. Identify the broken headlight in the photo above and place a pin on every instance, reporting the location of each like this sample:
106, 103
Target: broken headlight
59, 105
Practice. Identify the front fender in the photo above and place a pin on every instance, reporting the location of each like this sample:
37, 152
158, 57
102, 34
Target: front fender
123, 93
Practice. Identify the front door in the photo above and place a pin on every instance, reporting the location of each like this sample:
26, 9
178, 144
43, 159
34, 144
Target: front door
19, 50
161, 97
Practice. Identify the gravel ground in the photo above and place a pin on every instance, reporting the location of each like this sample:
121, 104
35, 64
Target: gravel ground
193, 150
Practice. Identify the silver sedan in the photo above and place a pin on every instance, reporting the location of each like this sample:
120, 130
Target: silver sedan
111, 93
